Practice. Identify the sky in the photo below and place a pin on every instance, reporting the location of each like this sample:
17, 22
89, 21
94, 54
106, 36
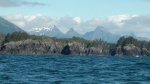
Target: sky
117, 16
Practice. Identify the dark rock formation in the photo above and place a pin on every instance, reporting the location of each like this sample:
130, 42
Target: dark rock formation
118, 51
66, 50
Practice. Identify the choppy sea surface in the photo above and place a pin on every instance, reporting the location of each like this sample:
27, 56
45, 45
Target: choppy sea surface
33, 69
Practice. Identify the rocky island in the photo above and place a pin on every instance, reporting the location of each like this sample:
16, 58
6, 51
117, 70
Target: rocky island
23, 43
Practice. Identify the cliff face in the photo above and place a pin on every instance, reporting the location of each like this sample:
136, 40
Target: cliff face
80, 49
131, 51
31, 47
40, 47
22, 43
1, 39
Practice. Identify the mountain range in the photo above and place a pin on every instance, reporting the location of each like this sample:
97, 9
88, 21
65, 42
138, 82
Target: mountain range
52, 31
101, 33
97, 34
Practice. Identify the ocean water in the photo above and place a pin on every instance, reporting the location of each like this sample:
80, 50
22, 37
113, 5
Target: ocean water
32, 69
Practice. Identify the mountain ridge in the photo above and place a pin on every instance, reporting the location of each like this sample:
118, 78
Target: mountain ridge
52, 31
99, 33
71, 33
8, 27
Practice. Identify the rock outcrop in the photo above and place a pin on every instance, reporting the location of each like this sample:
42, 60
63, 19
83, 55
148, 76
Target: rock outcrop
22, 43
145, 52
131, 51
40, 47
31, 47
80, 49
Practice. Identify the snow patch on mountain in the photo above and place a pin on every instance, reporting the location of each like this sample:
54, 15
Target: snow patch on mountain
99, 33
50, 28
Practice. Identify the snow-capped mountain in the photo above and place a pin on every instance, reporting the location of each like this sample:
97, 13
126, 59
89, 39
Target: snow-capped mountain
98, 33
72, 33
101, 33
51, 31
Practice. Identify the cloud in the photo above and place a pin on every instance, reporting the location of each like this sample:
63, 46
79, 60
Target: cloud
17, 3
32, 3
77, 19
126, 24
20, 24
119, 19
118, 24
139, 25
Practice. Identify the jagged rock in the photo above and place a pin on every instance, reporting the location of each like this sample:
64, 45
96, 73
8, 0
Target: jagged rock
66, 50
77, 48
41, 47
118, 51
95, 51
131, 51
31, 47
80, 49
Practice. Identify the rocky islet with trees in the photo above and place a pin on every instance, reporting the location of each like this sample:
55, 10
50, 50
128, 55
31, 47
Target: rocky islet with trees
23, 43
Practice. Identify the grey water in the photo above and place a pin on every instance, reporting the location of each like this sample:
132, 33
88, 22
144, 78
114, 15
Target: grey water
39, 69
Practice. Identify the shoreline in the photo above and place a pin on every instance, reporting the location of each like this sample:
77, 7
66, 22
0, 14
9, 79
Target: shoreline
53, 55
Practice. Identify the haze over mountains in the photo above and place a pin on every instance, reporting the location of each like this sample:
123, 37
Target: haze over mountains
101, 33
8, 27
72, 33
52, 31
